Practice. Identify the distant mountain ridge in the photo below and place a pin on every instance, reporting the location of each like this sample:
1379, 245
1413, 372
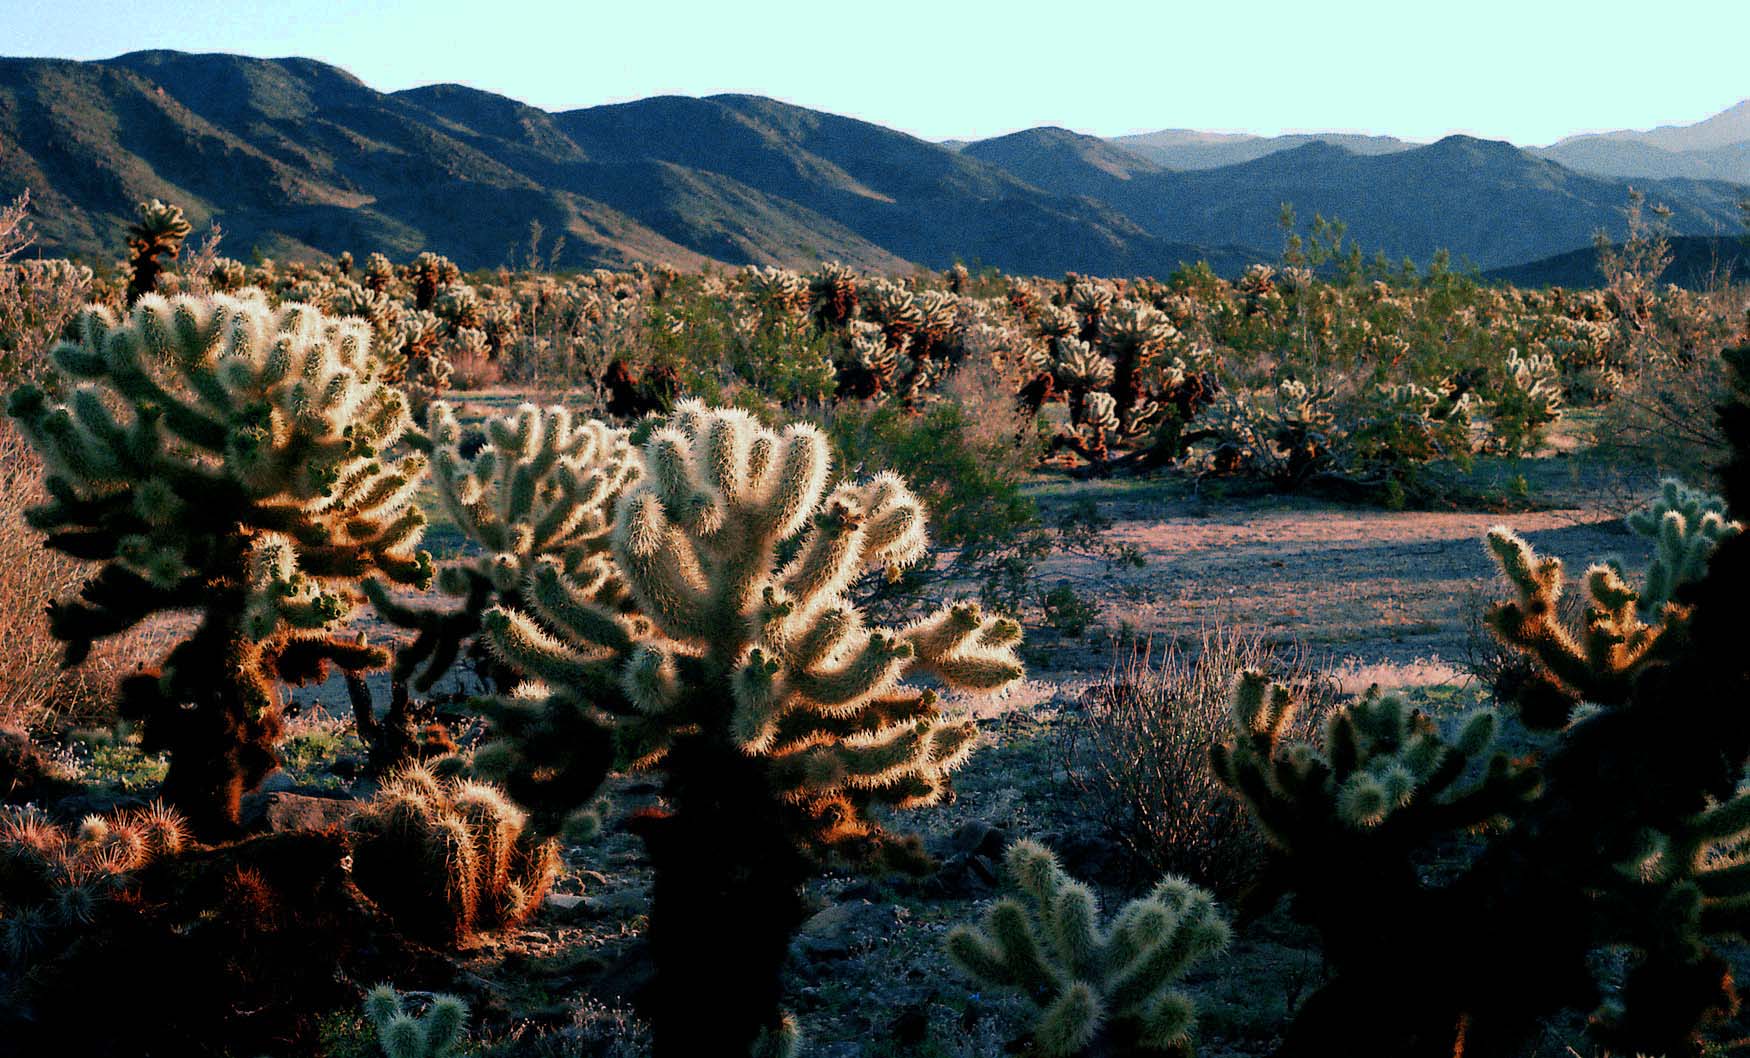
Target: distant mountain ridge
1190, 149
1486, 201
294, 157
1715, 149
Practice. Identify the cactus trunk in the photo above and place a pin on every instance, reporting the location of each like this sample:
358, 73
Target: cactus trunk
727, 901
220, 747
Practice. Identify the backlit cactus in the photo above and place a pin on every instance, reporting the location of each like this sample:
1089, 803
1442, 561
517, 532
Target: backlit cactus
1379, 763
449, 859
231, 459
439, 1032
1100, 989
745, 674
1685, 525
155, 236
542, 485
1597, 661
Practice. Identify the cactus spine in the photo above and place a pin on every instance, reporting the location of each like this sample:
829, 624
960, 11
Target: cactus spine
778, 717
1100, 990
225, 458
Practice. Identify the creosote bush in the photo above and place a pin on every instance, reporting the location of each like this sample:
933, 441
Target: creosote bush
1101, 990
226, 458
1137, 754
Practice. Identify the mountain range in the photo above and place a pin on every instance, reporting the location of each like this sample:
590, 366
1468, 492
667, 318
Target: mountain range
294, 157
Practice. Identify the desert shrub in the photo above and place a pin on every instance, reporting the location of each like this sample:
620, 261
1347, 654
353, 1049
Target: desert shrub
1663, 417
1137, 754
229, 459
36, 693
37, 298
1102, 990
448, 860
779, 720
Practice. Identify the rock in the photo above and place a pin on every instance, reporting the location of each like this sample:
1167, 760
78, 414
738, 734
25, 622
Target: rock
840, 929
979, 838
567, 907
282, 812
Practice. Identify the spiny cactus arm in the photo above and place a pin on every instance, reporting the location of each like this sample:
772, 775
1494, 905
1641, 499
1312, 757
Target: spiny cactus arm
1005, 943
965, 649
439, 631
1686, 525
519, 641
1599, 665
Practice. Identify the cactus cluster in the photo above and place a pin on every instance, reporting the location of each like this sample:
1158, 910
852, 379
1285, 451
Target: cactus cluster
53, 881
440, 1032
232, 459
1685, 525
1625, 831
1381, 764
449, 859
1100, 989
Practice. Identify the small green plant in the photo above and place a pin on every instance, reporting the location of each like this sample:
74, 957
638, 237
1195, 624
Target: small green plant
1069, 611
440, 1032
1100, 990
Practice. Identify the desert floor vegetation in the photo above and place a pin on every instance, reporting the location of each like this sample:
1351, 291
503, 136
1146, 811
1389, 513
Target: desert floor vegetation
810, 662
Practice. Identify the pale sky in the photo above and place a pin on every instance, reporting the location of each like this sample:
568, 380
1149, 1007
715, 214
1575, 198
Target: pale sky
1529, 71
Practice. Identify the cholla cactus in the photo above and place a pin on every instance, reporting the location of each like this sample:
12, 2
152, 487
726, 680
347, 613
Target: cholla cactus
448, 860
226, 458
1597, 662
542, 486
440, 1032
379, 272
53, 882
156, 235
1685, 525
1132, 335
866, 373
779, 718
833, 294
777, 295
1381, 765
894, 308
429, 273
458, 305
1100, 990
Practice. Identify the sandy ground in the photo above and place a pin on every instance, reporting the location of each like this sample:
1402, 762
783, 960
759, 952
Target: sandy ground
1368, 585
